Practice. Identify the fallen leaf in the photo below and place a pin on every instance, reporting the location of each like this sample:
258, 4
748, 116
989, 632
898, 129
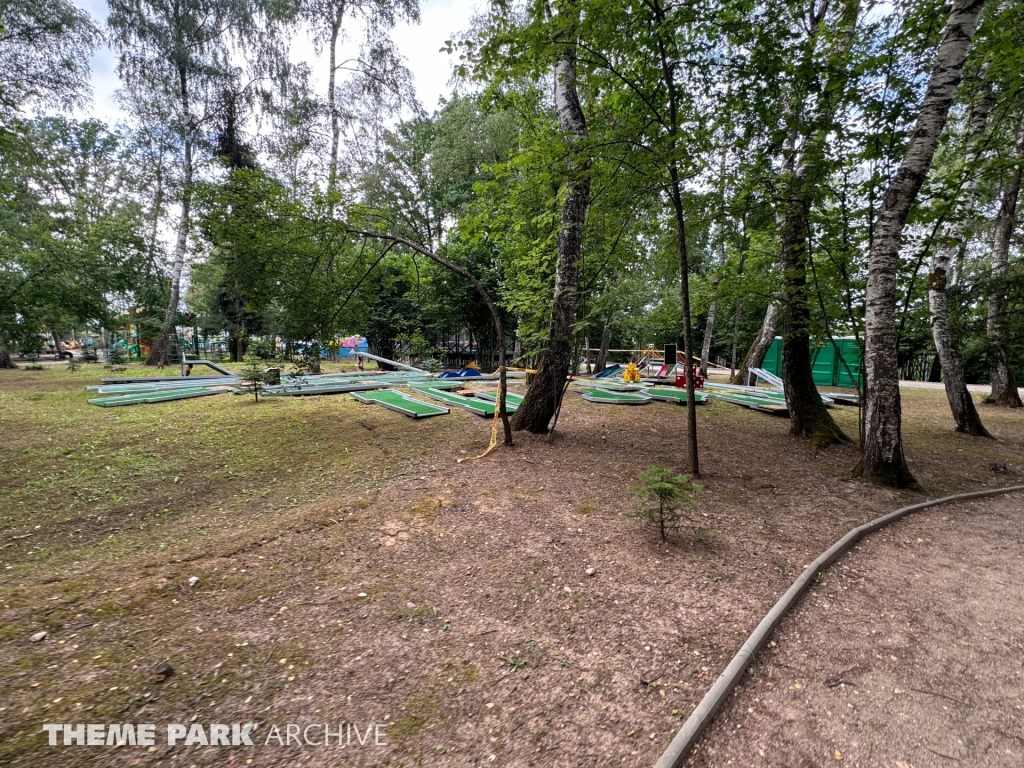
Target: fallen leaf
838, 755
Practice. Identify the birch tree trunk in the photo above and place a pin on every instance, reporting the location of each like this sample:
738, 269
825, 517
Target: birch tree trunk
755, 355
606, 342
965, 415
159, 353
735, 337
1004, 383
545, 391
332, 102
709, 326
882, 458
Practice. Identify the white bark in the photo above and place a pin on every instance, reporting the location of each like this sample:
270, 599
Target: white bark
883, 459
709, 327
965, 415
332, 103
757, 351
159, 354
1004, 384
545, 391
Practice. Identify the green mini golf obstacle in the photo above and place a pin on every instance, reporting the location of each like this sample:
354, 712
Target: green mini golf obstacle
438, 384
673, 395
158, 396
754, 403
608, 386
615, 398
766, 394
403, 404
512, 401
320, 388
479, 407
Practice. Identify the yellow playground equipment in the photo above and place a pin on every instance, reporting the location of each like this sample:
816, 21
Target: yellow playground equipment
632, 374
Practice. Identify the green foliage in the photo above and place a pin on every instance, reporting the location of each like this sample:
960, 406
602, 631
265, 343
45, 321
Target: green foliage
253, 376
263, 348
416, 347
303, 366
70, 233
44, 54
660, 497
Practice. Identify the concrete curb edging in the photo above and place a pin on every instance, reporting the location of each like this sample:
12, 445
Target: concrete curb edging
687, 736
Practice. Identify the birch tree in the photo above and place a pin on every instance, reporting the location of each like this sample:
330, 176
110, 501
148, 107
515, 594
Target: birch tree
376, 69
177, 51
1004, 383
964, 413
545, 392
882, 458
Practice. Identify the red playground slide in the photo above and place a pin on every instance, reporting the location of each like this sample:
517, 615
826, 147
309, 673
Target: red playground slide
663, 371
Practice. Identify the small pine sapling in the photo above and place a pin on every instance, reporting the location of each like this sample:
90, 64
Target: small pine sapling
660, 496
253, 376
73, 363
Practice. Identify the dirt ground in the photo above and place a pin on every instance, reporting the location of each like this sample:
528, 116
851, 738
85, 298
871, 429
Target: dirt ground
350, 571
910, 652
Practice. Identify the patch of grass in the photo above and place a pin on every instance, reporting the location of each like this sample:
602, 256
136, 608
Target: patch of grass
515, 661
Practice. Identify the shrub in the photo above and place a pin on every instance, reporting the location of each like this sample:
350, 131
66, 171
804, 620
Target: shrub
263, 349
253, 376
660, 496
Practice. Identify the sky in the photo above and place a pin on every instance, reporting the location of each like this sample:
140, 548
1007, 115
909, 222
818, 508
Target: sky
420, 45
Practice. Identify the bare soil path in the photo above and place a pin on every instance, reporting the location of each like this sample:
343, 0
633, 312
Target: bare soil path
909, 653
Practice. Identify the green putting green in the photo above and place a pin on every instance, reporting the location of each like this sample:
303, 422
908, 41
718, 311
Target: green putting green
609, 386
766, 394
512, 401
480, 408
615, 398
673, 395
439, 384
754, 403
156, 397
396, 401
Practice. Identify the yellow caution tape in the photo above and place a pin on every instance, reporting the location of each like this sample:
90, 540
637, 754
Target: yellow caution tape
494, 424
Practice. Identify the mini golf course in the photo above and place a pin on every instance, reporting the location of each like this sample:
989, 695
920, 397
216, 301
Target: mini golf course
473, 405
401, 403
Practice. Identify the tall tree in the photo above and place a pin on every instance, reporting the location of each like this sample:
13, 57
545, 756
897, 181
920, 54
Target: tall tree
807, 413
965, 415
1004, 383
882, 459
71, 232
377, 70
178, 52
545, 391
